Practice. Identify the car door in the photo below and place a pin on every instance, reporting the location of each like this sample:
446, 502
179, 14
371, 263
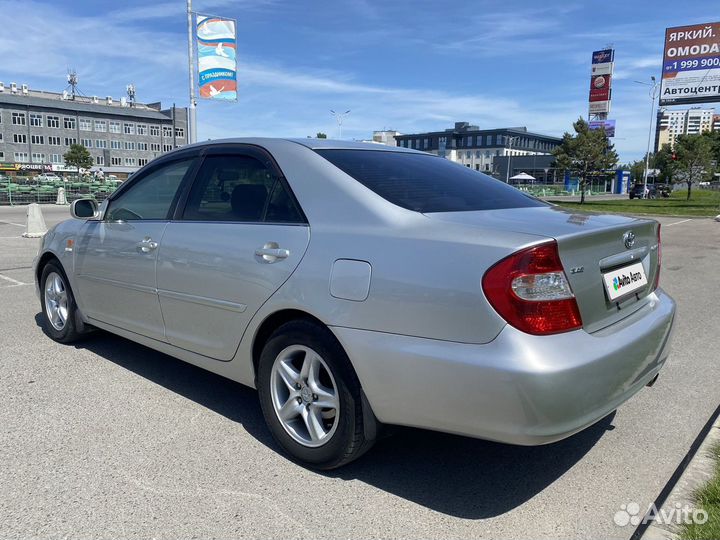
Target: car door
237, 239
115, 258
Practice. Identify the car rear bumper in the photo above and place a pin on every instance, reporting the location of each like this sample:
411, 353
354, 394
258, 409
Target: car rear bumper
519, 388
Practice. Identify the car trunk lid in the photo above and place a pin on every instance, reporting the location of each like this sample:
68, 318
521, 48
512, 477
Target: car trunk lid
590, 246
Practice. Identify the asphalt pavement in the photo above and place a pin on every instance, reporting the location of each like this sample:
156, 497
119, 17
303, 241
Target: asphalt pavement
109, 439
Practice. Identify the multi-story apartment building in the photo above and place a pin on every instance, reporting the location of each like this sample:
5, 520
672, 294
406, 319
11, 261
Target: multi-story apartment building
673, 123
37, 129
477, 148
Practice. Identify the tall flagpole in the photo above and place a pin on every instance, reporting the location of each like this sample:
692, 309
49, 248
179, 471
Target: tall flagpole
192, 116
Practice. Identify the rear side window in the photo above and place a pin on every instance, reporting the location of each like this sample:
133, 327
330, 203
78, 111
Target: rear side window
425, 183
239, 188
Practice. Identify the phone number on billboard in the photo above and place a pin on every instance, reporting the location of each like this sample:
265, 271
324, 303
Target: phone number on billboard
692, 64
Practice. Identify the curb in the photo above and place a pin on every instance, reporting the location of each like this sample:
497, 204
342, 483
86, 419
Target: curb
696, 474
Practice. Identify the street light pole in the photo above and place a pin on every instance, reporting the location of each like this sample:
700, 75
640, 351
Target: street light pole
339, 117
654, 85
507, 172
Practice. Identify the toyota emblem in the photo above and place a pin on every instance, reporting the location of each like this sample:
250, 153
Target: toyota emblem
629, 239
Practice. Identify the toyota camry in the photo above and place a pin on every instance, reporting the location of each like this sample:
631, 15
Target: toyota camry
358, 285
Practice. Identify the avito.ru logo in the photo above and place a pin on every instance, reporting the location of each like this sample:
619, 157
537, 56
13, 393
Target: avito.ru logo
622, 281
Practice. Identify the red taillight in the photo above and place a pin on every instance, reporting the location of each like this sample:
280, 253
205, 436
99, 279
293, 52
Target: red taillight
530, 291
659, 260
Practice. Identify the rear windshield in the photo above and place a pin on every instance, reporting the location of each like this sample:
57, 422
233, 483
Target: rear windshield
426, 183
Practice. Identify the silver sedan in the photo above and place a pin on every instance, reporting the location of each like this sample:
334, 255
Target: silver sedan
357, 286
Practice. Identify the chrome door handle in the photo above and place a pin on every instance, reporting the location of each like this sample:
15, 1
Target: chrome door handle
270, 253
147, 245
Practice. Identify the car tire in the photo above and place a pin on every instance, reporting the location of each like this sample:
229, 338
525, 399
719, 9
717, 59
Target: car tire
311, 397
60, 313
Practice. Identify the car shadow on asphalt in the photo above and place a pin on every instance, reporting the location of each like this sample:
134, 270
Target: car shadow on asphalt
458, 476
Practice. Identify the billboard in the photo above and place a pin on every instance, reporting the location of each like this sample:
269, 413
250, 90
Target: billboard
609, 126
691, 65
599, 107
600, 88
600, 82
606, 56
217, 61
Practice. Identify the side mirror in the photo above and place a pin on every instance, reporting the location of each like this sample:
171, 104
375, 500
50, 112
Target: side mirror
84, 209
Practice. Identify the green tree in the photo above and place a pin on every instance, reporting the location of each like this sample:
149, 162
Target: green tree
78, 156
665, 161
586, 153
637, 170
694, 159
320, 135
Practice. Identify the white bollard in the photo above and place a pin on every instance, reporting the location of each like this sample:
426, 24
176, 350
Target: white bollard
35, 223
61, 198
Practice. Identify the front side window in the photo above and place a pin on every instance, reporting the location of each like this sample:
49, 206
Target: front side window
240, 188
151, 197
425, 183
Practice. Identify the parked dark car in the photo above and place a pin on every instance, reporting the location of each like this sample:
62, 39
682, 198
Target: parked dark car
654, 191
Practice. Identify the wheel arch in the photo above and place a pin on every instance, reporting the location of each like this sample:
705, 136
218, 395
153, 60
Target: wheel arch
274, 321
43, 260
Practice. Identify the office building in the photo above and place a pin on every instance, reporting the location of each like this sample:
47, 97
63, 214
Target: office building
38, 127
477, 148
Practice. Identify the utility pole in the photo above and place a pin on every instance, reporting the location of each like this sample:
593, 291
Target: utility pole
192, 112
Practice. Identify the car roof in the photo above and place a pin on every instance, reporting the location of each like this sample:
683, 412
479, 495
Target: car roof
313, 144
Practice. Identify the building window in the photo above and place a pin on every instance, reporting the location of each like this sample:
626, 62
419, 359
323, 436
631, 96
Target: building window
18, 118
167, 147
100, 160
114, 127
19, 138
478, 154
142, 129
100, 125
53, 121
179, 132
1, 136
142, 162
129, 145
155, 147
130, 162
142, 146
115, 145
116, 161
21, 157
54, 141
68, 122
70, 140
37, 157
100, 143
468, 154
37, 139
167, 131
129, 129
36, 120
155, 131
85, 124
55, 158
87, 143
2, 156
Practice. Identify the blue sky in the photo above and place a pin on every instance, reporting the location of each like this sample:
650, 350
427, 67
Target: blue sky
406, 65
